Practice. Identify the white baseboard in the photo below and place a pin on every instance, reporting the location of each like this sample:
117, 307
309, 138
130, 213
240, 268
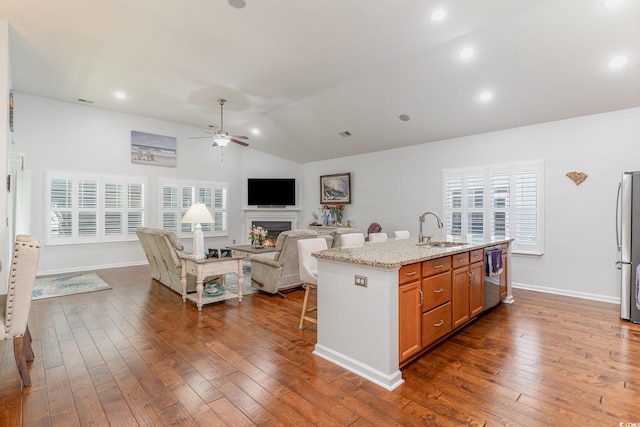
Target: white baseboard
90, 268
583, 295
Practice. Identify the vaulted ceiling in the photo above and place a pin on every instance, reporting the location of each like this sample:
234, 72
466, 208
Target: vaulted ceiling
305, 72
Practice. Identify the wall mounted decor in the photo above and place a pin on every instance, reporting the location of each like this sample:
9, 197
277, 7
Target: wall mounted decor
10, 110
335, 188
577, 177
151, 149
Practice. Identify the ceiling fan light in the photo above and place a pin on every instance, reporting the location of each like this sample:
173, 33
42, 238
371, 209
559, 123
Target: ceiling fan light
222, 142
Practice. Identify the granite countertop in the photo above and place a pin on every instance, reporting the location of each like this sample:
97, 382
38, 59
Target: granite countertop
395, 253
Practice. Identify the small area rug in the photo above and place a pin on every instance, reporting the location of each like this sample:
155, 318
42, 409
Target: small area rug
68, 284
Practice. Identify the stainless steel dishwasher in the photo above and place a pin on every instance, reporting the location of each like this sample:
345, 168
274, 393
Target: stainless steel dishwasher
491, 282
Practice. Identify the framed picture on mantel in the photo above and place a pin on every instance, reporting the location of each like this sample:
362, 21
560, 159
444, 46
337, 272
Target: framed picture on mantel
335, 188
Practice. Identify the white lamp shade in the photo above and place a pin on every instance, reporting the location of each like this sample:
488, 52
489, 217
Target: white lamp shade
198, 214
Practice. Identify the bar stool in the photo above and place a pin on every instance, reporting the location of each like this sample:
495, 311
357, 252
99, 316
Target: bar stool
308, 266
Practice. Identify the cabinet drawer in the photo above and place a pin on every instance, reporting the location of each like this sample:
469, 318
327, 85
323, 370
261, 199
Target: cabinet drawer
436, 266
436, 324
476, 256
408, 273
460, 260
436, 290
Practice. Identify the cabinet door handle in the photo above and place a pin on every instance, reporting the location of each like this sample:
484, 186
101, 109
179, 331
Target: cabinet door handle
411, 273
438, 266
438, 291
421, 297
471, 277
440, 323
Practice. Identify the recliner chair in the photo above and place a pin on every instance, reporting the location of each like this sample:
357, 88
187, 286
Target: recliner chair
282, 272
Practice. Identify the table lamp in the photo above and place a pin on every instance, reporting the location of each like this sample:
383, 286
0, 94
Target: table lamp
198, 214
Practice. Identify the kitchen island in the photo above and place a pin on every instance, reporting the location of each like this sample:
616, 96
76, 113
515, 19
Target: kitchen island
358, 302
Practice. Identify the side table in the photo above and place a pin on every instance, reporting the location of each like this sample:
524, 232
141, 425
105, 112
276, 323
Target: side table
246, 251
203, 268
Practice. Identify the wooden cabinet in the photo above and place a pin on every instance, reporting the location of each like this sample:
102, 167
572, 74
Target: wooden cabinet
467, 287
436, 303
460, 296
460, 289
438, 296
436, 323
476, 283
505, 273
409, 311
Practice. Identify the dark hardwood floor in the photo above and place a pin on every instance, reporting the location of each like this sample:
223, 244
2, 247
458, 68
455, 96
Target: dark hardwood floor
136, 355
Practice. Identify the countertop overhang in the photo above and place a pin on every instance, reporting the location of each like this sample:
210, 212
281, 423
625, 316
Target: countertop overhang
392, 254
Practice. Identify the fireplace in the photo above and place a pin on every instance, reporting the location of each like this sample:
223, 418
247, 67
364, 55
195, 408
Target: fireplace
274, 228
274, 220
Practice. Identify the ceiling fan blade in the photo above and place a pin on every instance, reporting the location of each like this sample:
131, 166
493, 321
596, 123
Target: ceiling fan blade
200, 137
244, 144
239, 136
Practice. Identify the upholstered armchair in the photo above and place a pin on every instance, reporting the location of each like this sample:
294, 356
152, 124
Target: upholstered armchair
162, 249
336, 241
15, 306
282, 272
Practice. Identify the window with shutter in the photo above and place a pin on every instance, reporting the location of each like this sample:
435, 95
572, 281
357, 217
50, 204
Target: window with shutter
93, 208
497, 202
178, 196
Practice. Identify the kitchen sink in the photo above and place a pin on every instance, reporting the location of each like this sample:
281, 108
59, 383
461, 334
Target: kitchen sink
442, 244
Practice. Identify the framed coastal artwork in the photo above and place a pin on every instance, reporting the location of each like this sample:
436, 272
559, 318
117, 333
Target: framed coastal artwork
151, 149
335, 188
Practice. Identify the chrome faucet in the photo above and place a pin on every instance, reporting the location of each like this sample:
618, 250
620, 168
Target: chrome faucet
421, 220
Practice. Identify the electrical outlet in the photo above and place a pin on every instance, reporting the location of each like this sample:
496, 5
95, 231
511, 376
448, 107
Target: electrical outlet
361, 281
234, 241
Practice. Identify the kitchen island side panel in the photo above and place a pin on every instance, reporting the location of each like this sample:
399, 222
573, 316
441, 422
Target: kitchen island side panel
358, 325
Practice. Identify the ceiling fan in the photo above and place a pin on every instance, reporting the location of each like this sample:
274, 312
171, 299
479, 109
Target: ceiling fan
220, 137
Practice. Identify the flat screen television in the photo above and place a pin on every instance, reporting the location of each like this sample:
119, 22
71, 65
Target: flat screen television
271, 192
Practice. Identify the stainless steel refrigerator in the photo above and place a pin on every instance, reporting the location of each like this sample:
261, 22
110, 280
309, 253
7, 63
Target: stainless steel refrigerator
628, 239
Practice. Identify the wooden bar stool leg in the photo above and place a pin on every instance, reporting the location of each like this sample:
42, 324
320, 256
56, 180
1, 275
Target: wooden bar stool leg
305, 310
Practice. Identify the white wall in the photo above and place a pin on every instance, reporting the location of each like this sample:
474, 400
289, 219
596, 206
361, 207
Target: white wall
5, 138
64, 136
394, 187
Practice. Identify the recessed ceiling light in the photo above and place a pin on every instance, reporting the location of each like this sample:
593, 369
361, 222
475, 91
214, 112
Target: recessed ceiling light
618, 61
438, 15
120, 95
613, 3
485, 96
466, 53
255, 131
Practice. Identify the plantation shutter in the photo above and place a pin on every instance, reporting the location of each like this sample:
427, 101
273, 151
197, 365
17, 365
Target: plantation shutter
496, 202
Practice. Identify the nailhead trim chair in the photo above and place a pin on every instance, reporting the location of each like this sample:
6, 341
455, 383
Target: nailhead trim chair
16, 304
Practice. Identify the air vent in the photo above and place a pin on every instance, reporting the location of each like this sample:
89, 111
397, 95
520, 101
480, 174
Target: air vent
345, 134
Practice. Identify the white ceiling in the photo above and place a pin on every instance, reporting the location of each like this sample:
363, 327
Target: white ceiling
303, 71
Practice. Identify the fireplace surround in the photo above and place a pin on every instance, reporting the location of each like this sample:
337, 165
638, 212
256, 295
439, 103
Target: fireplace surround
274, 220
